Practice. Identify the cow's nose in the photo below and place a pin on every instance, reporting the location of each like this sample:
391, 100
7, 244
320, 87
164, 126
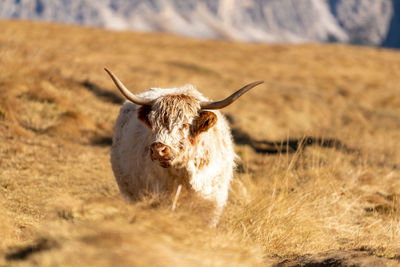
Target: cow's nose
160, 150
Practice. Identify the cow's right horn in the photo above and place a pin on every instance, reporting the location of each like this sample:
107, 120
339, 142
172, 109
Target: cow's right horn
131, 97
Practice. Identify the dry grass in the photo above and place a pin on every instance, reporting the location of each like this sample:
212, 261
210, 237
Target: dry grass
59, 204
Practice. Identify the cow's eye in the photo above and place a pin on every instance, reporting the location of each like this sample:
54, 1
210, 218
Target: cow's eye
143, 115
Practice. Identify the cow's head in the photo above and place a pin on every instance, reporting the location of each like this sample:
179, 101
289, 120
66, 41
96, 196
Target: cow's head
176, 121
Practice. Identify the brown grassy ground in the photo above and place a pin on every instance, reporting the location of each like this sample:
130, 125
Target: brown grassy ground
59, 204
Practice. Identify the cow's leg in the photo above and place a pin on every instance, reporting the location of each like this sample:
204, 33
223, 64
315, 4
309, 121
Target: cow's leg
220, 203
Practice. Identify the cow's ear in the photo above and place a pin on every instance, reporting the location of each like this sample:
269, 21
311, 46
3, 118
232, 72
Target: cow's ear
143, 115
205, 121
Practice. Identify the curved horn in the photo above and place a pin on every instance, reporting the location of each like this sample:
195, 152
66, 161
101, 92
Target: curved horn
132, 97
229, 100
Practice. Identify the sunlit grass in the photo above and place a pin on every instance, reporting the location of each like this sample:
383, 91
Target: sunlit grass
56, 183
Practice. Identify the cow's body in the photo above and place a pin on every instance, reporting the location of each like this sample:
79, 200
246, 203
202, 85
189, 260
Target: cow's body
169, 137
206, 161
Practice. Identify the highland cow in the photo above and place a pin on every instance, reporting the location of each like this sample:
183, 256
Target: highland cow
166, 137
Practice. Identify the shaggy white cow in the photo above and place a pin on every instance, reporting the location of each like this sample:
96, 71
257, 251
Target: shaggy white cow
166, 137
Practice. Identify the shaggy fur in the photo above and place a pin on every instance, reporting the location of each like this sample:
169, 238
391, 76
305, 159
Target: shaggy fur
200, 141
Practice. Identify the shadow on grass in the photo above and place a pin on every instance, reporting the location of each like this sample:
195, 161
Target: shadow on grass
286, 146
103, 94
23, 253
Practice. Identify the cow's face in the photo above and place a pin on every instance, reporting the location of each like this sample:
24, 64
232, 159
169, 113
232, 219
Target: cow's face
175, 122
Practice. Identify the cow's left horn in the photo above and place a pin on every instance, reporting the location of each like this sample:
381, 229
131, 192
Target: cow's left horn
229, 100
132, 97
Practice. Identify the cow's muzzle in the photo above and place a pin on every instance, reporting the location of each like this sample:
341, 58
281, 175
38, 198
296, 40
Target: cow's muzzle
162, 153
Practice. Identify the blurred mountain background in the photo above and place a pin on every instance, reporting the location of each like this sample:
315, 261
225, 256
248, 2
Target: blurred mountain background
361, 22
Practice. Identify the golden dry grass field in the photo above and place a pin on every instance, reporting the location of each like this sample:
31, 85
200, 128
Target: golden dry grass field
336, 200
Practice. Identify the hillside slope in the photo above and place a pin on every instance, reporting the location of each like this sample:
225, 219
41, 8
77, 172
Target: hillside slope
368, 22
337, 192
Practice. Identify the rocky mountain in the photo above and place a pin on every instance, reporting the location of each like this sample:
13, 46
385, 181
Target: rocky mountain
367, 22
